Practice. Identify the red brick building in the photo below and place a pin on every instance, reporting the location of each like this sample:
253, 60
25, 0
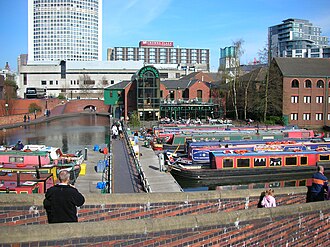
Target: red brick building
299, 87
188, 97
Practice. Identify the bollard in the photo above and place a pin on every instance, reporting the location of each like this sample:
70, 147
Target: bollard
85, 158
161, 162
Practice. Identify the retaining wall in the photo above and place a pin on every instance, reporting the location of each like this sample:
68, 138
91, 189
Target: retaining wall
223, 218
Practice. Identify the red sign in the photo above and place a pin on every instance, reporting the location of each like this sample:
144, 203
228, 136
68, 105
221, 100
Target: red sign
156, 43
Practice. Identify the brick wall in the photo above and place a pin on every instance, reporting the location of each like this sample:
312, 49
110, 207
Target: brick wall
171, 219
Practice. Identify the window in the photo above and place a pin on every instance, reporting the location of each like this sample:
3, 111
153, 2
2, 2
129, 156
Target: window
243, 163
295, 84
259, 162
303, 160
294, 116
307, 99
228, 163
319, 116
319, 99
294, 99
308, 84
112, 82
328, 116
275, 162
320, 84
324, 157
16, 159
199, 94
306, 116
43, 83
291, 161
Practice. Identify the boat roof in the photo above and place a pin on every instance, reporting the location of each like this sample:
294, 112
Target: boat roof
266, 153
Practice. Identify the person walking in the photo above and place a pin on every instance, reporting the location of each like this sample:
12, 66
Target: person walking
120, 130
269, 200
61, 201
114, 131
319, 186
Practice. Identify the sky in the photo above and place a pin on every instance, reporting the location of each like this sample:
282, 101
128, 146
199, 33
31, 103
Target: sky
208, 24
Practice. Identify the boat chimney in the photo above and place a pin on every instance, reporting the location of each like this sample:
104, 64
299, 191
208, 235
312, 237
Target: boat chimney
18, 179
37, 173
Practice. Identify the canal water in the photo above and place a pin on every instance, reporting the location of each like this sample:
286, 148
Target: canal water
76, 133
70, 134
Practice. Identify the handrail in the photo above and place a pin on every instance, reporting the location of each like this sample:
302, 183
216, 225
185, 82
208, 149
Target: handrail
144, 180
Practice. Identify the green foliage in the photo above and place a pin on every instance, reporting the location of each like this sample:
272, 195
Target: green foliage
274, 120
61, 96
134, 119
10, 83
33, 107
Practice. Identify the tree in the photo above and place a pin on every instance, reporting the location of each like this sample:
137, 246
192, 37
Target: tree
86, 84
231, 73
33, 107
134, 119
264, 57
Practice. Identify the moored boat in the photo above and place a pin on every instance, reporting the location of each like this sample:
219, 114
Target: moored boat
247, 164
25, 183
45, 159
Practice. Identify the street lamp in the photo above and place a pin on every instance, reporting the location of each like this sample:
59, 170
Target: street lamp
6, 105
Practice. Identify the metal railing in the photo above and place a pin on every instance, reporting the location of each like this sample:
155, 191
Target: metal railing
142, 176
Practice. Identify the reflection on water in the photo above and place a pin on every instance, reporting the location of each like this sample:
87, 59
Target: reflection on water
194, 185
70, 134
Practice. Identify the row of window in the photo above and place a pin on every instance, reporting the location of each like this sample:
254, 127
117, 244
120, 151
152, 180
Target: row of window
308, 99
307, 84
308, 116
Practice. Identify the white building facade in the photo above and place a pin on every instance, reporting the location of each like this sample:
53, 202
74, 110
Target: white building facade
68, 30
297, 38
82, 79
163, 52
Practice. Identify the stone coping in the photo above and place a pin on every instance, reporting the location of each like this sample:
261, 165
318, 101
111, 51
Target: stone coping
142, 198
63, 231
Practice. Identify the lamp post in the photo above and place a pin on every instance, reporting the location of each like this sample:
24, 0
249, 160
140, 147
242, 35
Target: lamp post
6, 106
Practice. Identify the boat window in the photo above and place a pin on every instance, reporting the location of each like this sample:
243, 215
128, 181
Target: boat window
228, 163
324, 157
303, 161
275, 184
243, 163
16, 159
290, 184
247, 138
275, 162
259, 162
291, 161
302, 183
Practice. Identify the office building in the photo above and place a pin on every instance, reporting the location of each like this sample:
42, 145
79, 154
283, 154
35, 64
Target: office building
296, 38
228, 58
163, 52
68, 30
300, 88
84, 79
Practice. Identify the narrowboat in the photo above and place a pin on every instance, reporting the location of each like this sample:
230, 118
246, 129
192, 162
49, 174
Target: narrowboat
178, 141
25, 183
45, 159
200, 154
249, 164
